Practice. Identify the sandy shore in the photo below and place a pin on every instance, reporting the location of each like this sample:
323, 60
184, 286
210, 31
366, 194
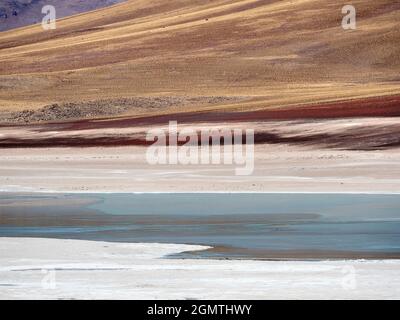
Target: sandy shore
71, 269
278, 168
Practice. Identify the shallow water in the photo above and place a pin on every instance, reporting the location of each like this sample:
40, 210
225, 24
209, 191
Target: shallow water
264, 226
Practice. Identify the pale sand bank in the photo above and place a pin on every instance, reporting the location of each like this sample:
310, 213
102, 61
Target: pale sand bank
100, 270
278, 168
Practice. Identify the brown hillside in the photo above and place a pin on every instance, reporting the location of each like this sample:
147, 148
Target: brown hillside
273, 53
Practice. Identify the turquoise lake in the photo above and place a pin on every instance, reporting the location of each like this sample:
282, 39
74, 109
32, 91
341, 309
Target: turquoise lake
240, 225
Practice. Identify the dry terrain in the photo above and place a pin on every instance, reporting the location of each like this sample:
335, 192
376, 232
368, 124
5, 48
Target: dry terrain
279, 53
278, 168
284, 68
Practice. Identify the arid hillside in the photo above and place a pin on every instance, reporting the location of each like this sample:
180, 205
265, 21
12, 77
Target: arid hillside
247, 54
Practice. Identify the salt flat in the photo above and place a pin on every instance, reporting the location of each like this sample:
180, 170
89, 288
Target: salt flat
278, 168
75, 269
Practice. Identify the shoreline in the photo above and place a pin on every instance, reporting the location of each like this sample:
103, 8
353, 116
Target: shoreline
193, 192
206, 252
76, 269
192, 249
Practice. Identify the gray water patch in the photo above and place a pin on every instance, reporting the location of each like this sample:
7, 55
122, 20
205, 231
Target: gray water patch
236, 225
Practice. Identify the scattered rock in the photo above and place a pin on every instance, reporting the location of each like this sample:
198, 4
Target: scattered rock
107, 108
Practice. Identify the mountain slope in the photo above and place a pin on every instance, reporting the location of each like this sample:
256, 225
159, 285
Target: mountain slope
276, 53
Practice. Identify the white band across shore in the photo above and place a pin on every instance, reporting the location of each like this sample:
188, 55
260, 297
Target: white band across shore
75, 269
